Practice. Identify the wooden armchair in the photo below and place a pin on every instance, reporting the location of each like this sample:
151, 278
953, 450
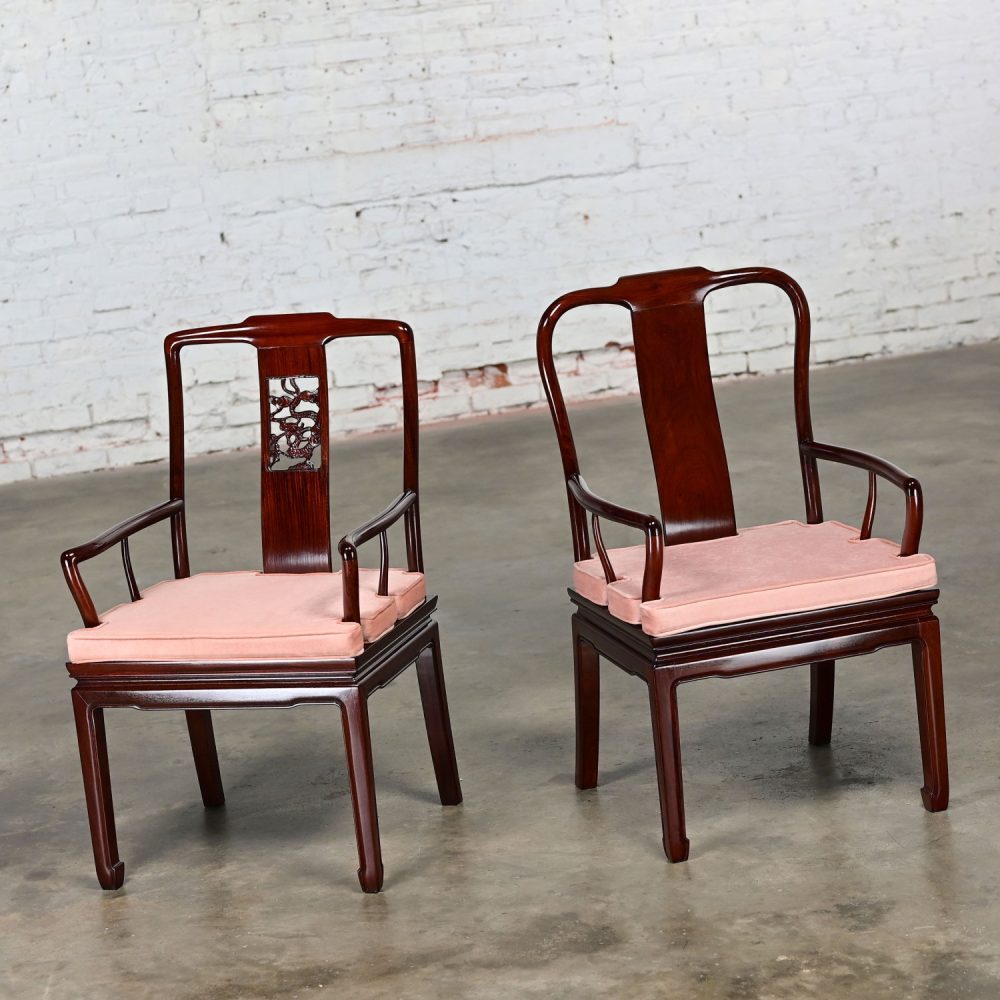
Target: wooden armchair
701, 598
298, 632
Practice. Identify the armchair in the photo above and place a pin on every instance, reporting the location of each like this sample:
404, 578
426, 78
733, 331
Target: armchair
703, 598
296, 633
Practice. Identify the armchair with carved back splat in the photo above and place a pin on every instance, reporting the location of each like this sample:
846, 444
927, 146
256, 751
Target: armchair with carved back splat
701, 598
296, 633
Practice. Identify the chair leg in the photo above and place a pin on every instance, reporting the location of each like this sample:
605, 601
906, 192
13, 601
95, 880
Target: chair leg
206, 758
667, 747
357, 739
930, 716
587, 685
821, 683
430, 678
97, 789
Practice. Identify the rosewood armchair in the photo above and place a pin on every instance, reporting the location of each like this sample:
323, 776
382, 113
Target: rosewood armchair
298, 632
702, 598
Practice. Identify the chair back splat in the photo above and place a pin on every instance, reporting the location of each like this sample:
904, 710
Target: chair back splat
678, 399
295, 431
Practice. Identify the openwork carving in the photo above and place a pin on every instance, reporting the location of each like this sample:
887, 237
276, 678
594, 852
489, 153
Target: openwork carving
294, 441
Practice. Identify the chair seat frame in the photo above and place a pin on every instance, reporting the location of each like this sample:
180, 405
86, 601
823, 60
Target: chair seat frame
198, 687
815, 638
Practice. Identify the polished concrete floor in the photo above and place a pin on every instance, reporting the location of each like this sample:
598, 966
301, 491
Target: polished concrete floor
813, 872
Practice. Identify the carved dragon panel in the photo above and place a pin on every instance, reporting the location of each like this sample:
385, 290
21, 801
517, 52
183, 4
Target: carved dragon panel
294, 440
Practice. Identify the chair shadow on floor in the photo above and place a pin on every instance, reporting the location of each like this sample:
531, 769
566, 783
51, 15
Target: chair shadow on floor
293, 788
775, 764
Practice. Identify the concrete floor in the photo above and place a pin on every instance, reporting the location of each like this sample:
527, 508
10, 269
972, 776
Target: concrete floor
813, 872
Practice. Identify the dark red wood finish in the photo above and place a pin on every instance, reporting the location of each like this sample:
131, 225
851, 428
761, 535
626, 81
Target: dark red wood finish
295, 538
696, 503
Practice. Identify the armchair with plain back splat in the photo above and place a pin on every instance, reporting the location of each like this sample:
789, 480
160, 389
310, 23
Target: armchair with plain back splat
701, 598
296, 633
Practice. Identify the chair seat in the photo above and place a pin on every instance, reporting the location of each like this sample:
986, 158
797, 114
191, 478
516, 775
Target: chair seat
771, 569
246, 615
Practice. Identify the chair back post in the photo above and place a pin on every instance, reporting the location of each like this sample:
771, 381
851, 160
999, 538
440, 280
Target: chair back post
803, 415
175, 412
557, 406
411, 445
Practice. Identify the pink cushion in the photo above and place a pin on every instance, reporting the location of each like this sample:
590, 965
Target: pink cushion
405, 588
244, 615
767, 570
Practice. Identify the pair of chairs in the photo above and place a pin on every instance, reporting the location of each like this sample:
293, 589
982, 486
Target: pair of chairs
718, 602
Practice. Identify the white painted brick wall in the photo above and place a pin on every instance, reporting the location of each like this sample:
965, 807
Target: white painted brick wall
458, 165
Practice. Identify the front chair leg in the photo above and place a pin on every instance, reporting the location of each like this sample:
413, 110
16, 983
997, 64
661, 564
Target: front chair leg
930, 715
430, 678
357, 740
97, 789
667, 747
822, 677
206, 758
587, 684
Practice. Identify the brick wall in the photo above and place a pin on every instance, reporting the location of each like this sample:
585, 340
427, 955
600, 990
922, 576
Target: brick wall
457, 165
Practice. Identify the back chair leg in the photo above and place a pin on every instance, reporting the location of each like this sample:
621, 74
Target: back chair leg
357, 739
822, 677
667, 747
930, 715
430, 678
206, 758
97, 789
587, 684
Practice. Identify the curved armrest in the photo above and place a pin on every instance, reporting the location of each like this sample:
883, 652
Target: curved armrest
646, 523
875, 466
379, 523
348, 549
121, 532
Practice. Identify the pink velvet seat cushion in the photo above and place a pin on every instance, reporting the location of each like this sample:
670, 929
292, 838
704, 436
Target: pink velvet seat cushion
770, 569
405, 588
243, 615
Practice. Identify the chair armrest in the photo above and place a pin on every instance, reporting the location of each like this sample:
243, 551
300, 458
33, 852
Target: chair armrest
348, 549
875, 467
121, 532
646, 523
